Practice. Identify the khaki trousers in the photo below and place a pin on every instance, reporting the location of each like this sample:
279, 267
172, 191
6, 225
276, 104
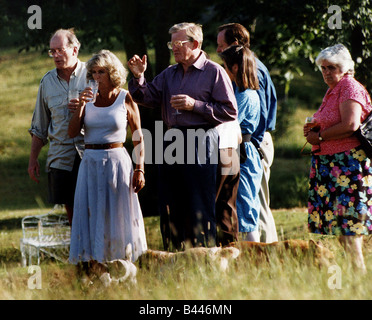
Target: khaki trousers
267, 227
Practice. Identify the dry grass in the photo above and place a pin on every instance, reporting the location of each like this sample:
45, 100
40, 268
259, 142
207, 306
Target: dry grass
286, 276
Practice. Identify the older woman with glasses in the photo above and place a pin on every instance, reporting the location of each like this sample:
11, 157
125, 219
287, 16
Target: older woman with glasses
340, 191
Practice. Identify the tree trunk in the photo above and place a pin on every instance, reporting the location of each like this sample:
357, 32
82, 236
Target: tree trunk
131, 22
162, 24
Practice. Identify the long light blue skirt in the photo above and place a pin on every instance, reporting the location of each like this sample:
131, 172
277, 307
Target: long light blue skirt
107, 214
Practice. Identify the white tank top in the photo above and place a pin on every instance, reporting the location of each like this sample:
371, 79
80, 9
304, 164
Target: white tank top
106, 124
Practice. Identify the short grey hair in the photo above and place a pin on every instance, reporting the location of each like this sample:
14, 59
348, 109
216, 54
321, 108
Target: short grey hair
193, 31
72, 40
338, 55
106, 59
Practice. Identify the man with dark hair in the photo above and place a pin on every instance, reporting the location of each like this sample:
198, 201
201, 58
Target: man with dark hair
51, 118
236, 34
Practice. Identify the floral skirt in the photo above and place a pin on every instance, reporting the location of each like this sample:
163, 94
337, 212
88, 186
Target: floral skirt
340, 194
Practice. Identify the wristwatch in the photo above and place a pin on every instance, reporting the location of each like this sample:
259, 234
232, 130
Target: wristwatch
320, 137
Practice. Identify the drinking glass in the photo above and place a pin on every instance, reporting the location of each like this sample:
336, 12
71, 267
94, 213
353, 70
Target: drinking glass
177, 112
73, 93
94, 85
312, 123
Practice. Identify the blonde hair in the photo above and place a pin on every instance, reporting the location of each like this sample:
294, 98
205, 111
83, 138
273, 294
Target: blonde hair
106, 59
193, 31
338, 55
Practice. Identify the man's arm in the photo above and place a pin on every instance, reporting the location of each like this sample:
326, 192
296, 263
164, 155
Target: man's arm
222, 106
33, 163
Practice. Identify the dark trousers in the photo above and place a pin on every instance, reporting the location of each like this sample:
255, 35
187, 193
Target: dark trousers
228, 175
187, 194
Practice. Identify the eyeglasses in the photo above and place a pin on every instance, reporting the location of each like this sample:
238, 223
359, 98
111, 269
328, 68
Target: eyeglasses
59, 52
177, 44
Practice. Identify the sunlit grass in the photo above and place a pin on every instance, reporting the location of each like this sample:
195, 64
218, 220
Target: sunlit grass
285, 276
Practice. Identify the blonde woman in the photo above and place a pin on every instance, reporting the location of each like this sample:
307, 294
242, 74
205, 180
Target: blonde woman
108, 216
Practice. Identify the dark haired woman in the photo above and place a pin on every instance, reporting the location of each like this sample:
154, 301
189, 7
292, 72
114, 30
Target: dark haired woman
241, 67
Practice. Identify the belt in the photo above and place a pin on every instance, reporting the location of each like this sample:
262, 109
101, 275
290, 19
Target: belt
105, 145
246, 137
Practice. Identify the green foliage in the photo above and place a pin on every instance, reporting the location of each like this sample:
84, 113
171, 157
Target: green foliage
279, 40
143, 25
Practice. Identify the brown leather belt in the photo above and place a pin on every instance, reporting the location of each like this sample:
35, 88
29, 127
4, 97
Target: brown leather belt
105, 146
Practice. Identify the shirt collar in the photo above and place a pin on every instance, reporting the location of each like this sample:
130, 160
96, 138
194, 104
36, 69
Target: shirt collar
337, 87
75, 72
198, 64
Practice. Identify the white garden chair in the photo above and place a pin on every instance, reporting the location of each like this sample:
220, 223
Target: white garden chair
47, 233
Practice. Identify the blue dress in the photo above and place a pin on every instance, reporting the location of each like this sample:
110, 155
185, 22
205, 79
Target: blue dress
248, 201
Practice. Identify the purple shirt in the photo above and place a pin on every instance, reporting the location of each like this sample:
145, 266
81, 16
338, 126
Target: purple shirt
205, 81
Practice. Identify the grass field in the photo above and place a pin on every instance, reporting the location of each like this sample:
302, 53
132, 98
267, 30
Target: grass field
286, 278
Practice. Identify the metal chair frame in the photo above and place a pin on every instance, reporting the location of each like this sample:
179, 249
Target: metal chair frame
47, 233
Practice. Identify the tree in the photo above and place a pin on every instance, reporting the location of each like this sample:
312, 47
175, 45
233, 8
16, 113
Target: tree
279, 40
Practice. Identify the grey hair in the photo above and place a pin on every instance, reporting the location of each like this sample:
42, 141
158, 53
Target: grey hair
72, 40
193, 31
338, 55
106, 59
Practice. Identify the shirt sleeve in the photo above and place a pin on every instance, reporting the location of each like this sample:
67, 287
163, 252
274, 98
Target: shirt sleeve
352, 90
148, 94
40, 118
222, 106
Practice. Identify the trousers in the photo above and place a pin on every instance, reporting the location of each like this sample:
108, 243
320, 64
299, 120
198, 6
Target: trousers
267, 228
187, 193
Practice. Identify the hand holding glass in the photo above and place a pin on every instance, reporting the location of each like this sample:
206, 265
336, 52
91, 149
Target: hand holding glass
73, 99
73, 94
312, 124
177, 112
94, 85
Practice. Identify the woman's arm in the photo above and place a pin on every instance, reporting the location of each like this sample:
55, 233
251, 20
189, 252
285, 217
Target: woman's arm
134, 121
77, 120
77, 107
351, 112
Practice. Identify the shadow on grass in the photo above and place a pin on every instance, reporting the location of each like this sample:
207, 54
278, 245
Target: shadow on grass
10, 224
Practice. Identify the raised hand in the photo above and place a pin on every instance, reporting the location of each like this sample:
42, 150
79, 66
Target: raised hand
137, 65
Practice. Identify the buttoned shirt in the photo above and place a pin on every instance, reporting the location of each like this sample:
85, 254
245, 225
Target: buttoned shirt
51, 117
205, 81
329, 114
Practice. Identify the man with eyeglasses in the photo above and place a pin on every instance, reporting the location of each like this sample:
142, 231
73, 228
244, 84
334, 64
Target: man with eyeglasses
51, 118
194, 94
